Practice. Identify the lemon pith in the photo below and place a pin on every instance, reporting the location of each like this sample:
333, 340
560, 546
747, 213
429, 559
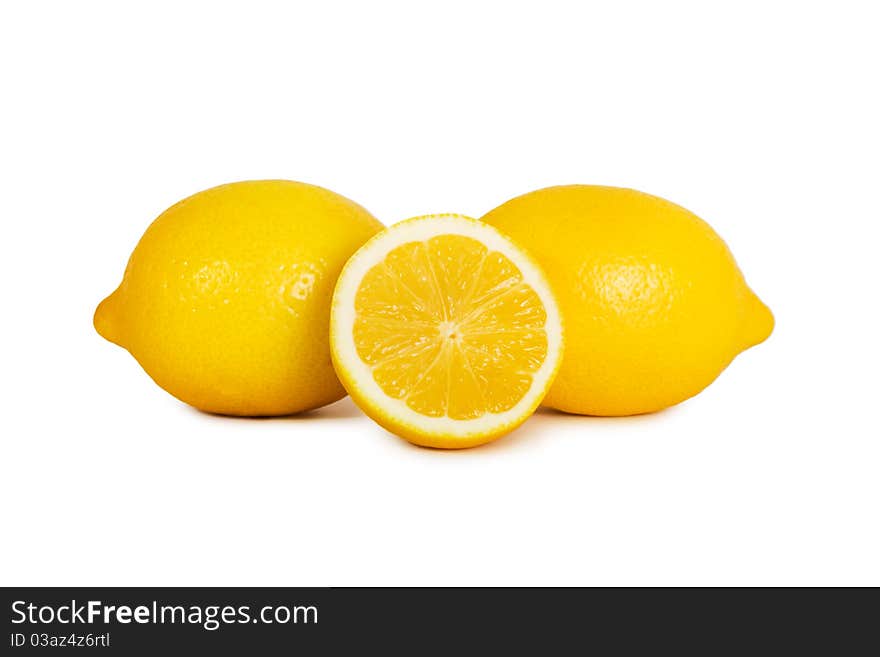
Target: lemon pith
444, 332
654, 304
225, 301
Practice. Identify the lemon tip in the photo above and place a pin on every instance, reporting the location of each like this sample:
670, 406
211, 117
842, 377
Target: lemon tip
760, 321
104, 319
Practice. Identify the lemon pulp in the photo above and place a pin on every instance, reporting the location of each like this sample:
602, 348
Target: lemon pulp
450, 327
445, 332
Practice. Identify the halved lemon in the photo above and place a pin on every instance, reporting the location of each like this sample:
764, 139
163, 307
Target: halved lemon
445, 332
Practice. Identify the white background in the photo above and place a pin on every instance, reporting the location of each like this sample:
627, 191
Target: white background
762, 117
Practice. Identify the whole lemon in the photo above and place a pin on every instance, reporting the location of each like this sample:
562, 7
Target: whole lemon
225, 301
653, 302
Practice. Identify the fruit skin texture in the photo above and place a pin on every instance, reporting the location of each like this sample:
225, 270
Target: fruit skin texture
225, 301
654, 304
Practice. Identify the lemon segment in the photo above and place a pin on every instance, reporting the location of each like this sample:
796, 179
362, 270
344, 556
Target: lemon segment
445, 332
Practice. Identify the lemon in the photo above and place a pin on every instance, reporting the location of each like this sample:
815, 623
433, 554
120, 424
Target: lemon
445, 332
225, 301
654, 304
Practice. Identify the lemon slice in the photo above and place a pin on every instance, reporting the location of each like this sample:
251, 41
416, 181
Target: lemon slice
445, 332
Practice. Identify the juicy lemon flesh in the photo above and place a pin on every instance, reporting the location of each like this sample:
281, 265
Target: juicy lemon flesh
450, 328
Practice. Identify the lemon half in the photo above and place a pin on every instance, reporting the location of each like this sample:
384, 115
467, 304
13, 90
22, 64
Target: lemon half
445, 332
